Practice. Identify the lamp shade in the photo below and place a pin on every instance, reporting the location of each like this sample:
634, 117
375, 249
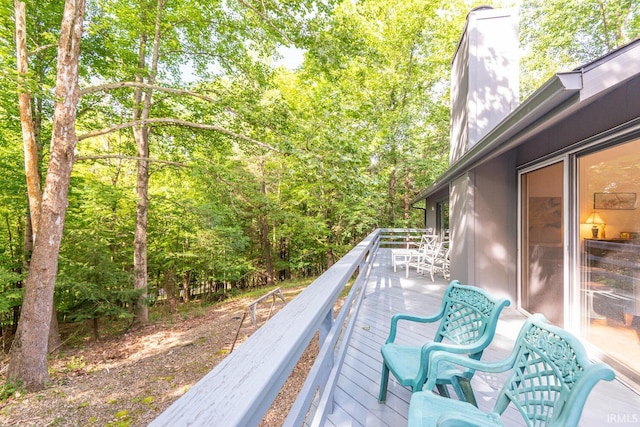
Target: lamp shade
594, 218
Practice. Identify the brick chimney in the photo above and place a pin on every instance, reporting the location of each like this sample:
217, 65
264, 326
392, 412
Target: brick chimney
484, 77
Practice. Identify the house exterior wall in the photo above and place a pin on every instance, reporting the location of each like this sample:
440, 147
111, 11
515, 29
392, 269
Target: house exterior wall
430, 217
484, 73
487, 203
462, 221
582, 115
459, 139
484, 90
496, 237
483, 226
612, 109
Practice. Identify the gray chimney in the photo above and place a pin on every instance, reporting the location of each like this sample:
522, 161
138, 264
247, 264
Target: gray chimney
484, 77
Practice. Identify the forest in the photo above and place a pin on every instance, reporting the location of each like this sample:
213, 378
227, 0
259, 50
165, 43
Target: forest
156, 151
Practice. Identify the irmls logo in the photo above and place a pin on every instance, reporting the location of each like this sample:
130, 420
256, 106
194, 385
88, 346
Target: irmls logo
623, 418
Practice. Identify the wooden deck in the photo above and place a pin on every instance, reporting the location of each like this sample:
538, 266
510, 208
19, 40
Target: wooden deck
611, 403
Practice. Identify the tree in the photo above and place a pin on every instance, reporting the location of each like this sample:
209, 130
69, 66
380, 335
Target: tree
28, 363
561, 35
31, 151
141, 111
165, 39
243, 173
372, 105
26, 118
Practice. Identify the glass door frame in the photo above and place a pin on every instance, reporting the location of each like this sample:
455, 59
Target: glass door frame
571, 297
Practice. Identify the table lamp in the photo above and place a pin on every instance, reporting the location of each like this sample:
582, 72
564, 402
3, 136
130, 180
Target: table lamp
595, 220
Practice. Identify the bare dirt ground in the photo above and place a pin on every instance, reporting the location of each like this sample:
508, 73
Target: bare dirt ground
128, 380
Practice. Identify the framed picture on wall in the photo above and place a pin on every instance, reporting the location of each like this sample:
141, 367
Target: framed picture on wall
614, 200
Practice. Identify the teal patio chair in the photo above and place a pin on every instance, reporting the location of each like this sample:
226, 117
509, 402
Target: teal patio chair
549, 381
468, 317
429, 248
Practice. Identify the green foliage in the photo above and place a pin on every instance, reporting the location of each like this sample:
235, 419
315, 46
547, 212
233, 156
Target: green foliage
78, 301
10, 389
75, 364
562, 35
11, 295
94, 278
121, 419
302, 163
90, 284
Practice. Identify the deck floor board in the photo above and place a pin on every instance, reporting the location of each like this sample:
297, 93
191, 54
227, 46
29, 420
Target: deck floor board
388, 293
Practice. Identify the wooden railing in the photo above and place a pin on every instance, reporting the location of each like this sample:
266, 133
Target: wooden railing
239, 391
402, 237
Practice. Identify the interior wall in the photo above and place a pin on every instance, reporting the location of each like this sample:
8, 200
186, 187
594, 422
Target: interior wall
614, 170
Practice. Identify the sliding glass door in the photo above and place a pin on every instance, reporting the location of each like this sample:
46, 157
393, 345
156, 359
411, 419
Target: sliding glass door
608, 187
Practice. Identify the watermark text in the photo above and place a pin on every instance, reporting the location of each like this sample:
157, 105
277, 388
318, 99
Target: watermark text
616, 418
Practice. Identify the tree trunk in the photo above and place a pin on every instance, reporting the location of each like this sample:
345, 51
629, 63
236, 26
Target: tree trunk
31, 153
16, 269
392, 198
186, 277
329, 257
28, 355
26, 119
168, 284
96, 330
407, 189
264, 230
54, 340
142, 202
142, 108
266, 248
285, 272
140, 237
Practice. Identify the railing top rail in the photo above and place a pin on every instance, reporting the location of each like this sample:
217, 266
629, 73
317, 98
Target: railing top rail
403, 230
240, 389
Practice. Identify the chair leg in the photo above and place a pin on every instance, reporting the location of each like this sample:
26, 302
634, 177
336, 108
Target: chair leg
463, 389
384, 380
442, 390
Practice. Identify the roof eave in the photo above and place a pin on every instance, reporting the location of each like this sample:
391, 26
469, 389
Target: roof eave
558, 93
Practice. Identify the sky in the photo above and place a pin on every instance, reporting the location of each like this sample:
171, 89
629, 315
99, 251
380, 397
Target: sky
292, 57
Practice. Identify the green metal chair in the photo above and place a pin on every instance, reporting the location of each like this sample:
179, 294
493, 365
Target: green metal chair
549, 381
468, 317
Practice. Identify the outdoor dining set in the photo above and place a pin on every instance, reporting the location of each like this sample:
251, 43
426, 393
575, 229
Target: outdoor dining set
431, 256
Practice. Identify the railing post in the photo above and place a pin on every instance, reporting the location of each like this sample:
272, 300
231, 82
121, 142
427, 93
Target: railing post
325, 326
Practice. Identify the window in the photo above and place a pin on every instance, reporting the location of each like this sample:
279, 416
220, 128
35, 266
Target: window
608, 182
442, 218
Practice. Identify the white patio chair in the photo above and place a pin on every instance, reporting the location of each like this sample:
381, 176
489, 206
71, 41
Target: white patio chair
429, 248
427, 242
